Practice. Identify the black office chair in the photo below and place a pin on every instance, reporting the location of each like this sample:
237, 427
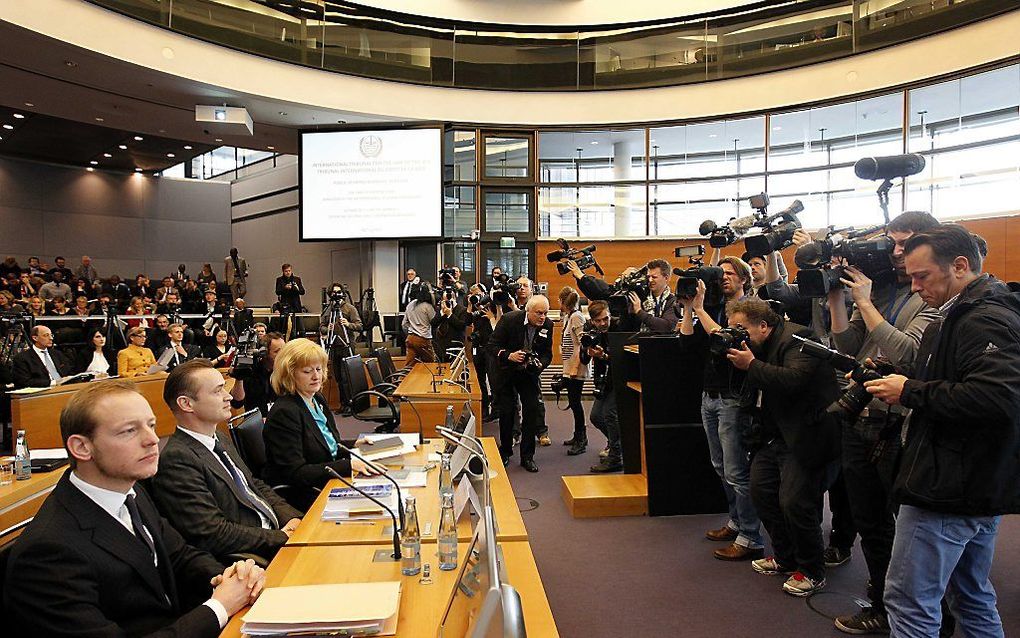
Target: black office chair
376, 376
384, 412
389, 370
246, 434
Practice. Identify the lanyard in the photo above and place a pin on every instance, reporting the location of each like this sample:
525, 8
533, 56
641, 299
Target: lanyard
895, 314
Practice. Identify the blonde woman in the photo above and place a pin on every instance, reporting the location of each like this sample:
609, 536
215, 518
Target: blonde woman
301, 436
574, 372
135, 359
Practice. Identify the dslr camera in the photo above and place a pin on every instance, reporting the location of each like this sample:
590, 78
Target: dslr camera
720, 341
633, 282
687, 279
583, 257
855, 398
873, 256
504, 289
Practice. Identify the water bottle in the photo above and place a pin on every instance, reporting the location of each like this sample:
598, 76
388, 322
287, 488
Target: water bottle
447, 535
410, 541
22, 458
445, 478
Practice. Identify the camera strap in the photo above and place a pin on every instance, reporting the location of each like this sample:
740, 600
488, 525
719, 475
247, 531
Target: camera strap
894, 314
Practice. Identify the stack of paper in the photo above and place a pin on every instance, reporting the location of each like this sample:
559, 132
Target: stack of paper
345, 609
345, 503
389, 450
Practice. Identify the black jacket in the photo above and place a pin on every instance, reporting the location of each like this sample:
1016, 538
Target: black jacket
796, 388
962, 440
28, 370
79, 572
200, 499
296, 452
243, 319
446, 330
664, 319
193, 352
290, 297
594, 288
83, 358
508, 337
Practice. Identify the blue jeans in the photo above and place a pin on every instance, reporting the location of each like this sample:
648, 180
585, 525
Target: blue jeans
724, 427
933, 552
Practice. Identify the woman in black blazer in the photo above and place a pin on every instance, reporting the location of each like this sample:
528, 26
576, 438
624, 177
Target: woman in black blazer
94, 356
300, 433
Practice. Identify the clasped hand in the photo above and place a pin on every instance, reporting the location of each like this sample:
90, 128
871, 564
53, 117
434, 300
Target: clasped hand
240, 584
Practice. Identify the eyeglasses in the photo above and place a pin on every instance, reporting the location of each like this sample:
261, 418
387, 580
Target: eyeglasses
138, 335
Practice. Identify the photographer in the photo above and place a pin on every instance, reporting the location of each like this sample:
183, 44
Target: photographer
253, 389
289, 290
594, 288
603, 412
483, 315
449, 324
417, 325
524, 289
791, 390
958, 474
574, 371
346, 321
521, 347
726, 425
888, 321
657, 313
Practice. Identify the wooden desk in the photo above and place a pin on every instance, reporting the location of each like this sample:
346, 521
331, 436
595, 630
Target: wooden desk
421, 606
314, 531
39, 413
429, 405
20, 500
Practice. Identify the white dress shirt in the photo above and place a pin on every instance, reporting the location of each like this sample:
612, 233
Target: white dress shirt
99, 363
47, 361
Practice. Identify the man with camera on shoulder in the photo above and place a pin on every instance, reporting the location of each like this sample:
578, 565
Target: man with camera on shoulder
958, 472
521, 348
789, 392
595, 347
253, 388
726, 425
658, 311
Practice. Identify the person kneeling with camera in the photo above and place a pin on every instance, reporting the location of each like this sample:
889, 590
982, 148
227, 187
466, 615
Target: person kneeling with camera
789, 392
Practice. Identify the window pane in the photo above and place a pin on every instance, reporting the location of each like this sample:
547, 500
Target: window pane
458, 211
728, 147
831, 197
592, 211
514, 261
591, 156
459, 156
678, 209
507, 212
462, 255
507, 156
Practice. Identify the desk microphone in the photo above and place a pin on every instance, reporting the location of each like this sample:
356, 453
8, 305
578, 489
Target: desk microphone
459, 385
396, 535
382, 473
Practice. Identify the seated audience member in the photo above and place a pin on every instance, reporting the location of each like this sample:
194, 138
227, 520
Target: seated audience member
24, 288
191, 296
135, 359
143, 288
42, 365
118, 291
60, 265
12, 284
182, 351
165, 289
58, 307
243, 318
301, 435
81, 306
206, 277
35, 307
158, 337
34, 268
218, 350
7, 303
80, 287
203, 487
10, 266
86, 270
95, 356
171, 305
137, 307
97, 560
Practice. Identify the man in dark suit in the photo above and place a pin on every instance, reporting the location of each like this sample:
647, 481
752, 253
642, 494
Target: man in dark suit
405, 289
289, 289
243, 317
449, 324
42, 365
203, 487
182, 351
521, 346
98, 560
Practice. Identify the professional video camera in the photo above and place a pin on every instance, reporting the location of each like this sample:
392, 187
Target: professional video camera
338, 293
250, 354
871, 255
504, 289
687, 279
635, 282
723, 236
583, 257
777, 231
720, 341
589, 340
855, 398
479, 303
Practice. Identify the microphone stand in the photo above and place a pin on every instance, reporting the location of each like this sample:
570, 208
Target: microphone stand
396, 535
478, 452
382, 473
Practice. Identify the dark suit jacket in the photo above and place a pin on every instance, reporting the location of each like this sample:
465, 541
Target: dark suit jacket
197, 495
296, 452
194, 352
508, 337
404, 295
290, 297
29, 371
84, 358
446, 330
243, 319
79, 572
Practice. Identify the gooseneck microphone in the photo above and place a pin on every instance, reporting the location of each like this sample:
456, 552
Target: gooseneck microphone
889, 167
396, 534
475, 450
382, 473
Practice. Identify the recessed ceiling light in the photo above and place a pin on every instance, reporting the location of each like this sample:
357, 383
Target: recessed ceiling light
93, 162
29, 104
9, 127
187, 147
219, 139
123, 147
99, 119
89, 169
19, 116
272, 148
138, 170
138, 138
170, 155
594, 143
107, 155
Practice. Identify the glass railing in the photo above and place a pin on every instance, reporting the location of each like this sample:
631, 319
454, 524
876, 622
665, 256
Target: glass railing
349, 38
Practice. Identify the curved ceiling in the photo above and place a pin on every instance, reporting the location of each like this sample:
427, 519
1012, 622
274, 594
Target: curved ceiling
553, 12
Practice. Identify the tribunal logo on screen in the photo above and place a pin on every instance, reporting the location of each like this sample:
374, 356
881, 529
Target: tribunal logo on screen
370, 146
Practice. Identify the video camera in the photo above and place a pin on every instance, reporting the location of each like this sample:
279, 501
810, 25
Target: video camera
687, 279
504, 289
250, 354
447, 274
872, 256
633, 282
338, 293
722, 340
777, 230
583, 257
856, 397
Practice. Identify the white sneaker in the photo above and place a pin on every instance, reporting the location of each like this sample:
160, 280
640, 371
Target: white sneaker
769, 566
800, 585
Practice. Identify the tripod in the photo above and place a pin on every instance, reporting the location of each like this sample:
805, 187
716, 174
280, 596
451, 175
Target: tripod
333, 338
113, 329
369, 316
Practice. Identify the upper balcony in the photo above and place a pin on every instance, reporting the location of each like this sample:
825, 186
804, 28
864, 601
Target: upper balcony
353, 39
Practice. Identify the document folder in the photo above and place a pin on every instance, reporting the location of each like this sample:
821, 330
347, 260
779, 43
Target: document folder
356, 608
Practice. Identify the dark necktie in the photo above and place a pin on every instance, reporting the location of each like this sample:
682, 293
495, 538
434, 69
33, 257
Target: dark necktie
136, 523
242, 486
529, 336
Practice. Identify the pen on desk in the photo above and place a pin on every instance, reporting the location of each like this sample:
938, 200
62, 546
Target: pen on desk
354, 522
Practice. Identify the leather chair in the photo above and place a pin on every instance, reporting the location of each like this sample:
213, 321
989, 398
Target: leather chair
389, 370
384, 412
376, 376
246, 434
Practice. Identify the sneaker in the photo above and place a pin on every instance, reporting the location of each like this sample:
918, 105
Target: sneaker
544, 441
769, 566
868, 621
835, 556
800, 585
604, 453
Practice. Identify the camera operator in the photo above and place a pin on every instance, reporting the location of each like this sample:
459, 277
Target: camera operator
450, 322
603, 412
791, 391
347, 322
289, 290
594, 288
483, 315
417, 324
888, 321
958, 472
252, 388
521, 346
726, 425
657, 313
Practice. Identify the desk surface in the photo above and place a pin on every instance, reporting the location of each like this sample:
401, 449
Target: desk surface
18, 491
314, 531
418, 384
421, 606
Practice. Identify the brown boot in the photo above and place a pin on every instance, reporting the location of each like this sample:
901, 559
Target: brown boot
724, 533
736, 552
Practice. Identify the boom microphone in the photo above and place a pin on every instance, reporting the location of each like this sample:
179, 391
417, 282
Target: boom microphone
889, 167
